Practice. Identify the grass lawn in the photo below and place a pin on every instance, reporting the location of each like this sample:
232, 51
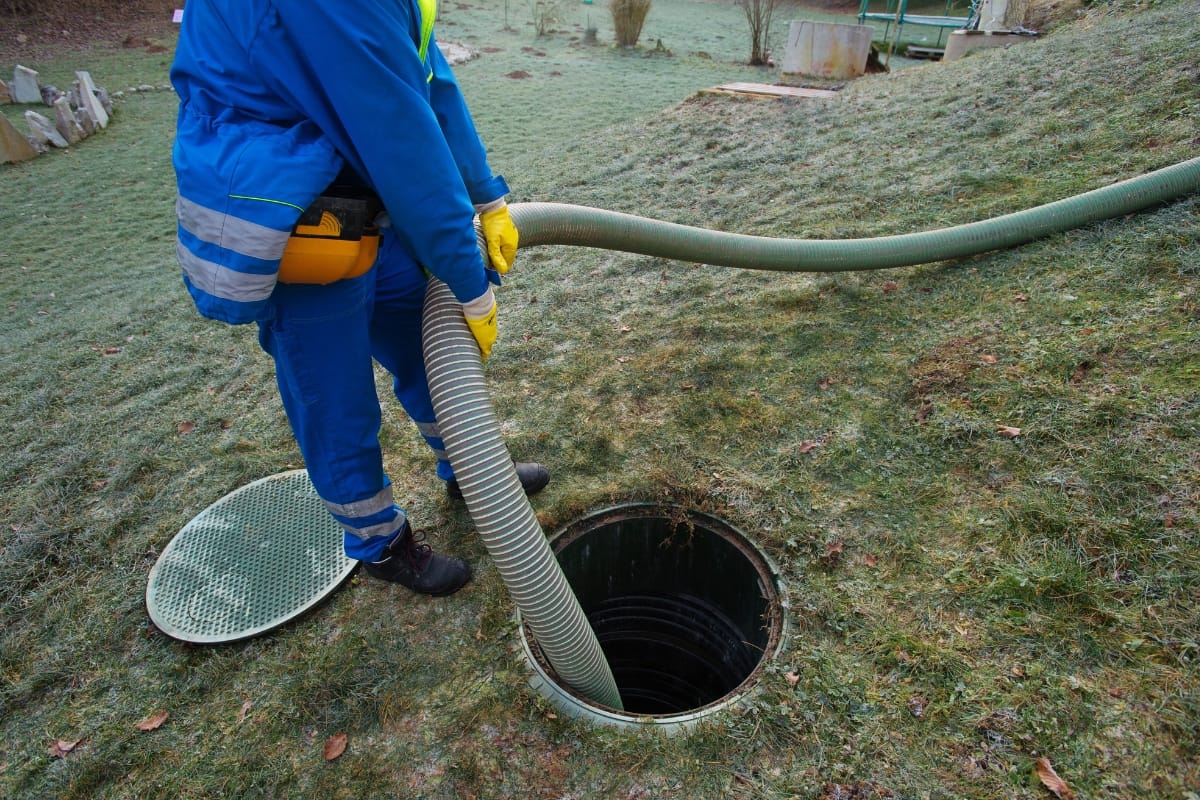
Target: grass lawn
963, 603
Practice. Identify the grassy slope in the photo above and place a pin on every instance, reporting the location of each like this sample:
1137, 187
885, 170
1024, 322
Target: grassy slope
1033, 597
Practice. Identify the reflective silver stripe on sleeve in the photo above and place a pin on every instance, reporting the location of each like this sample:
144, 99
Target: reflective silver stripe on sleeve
363, 508
232, 233
221, 281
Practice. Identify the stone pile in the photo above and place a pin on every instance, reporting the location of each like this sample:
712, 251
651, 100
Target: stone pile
84, 109
78, 113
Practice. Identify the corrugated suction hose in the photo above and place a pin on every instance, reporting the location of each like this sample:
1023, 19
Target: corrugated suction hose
484, 469
498, 506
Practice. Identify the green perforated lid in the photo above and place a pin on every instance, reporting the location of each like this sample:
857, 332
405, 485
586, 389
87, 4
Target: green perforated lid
257, 558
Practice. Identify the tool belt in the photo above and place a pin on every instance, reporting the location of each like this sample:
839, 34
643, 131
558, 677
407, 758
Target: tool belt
335, 238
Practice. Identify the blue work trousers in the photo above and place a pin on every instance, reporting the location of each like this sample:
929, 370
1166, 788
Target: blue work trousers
323, 340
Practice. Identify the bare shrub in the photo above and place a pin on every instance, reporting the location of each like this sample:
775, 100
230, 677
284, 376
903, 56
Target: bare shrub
758, 15
628, 18
545, 14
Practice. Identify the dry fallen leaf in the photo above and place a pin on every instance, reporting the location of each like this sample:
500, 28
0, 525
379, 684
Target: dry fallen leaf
988, 358
807, 445
1051, 781
153, 722
335, 745
890, 287
246, 706
185, 427
792, 678
1009, 431
834, 549
870, 560
63, 746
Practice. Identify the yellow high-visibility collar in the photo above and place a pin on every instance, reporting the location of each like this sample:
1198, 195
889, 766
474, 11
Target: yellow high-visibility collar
428, 10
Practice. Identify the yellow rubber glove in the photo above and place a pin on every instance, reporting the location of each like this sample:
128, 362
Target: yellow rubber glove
500, 234
480, 314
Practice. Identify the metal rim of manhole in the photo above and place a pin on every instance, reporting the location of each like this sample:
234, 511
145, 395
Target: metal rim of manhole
687, 609
254, 560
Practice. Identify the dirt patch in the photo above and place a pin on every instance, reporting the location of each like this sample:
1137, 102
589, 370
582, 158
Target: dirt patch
54, 29
946, 370
1041, 15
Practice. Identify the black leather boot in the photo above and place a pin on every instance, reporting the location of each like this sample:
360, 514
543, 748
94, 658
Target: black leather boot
534, 478
410, 562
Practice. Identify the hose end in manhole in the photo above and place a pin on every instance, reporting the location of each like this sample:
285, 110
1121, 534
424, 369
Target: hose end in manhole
686, 608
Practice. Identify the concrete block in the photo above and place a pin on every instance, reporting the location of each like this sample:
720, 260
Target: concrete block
827, 49
959, 43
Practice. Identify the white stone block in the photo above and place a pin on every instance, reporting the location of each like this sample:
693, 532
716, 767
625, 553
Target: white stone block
88, 100
25, 87
65, 122
43, 130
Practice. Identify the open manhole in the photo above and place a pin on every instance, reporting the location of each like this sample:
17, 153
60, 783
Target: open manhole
686, 609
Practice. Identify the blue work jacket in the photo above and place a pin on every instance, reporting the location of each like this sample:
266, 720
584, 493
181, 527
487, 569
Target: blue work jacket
276, 98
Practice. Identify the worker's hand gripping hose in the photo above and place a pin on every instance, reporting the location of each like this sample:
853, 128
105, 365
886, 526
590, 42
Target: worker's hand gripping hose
499, 234
480, 314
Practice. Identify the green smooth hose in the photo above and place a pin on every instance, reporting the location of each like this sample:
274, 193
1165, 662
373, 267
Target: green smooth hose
556, 223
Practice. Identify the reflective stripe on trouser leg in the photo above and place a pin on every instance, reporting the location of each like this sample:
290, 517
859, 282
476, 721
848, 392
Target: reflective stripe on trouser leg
319, 340
396, 341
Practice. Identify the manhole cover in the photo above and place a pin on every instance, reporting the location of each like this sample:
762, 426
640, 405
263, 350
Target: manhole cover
252, 561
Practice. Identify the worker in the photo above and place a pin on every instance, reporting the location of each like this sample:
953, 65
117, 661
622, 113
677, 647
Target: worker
326, 164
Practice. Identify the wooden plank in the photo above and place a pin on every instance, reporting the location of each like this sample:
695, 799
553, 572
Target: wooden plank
769, 90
